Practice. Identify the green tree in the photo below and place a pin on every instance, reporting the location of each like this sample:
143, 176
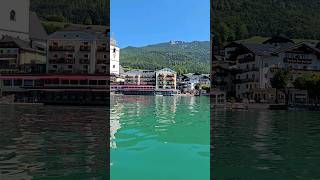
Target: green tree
280, 82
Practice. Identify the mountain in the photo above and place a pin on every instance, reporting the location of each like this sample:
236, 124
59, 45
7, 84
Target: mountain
183, 57
240, 19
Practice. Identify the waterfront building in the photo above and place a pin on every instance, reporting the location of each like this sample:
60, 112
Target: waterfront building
253, 65
20, 56
166, 79
188, 82
140, 77
114, 58
77, 51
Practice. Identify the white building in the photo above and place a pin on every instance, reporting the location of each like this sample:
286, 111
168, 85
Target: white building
114, 58
17, 21
256, 63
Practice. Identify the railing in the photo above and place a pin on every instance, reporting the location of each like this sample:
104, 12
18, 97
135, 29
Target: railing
61, 48
245, 80
62, 61
8, 55
85, 48
102, 61
84, 61
102, 49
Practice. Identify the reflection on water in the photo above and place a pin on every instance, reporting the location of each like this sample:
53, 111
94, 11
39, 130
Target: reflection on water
157, 138
267, 144
52, 142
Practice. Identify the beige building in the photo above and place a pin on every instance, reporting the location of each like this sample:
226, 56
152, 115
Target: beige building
19, 56
166, 79
78, 51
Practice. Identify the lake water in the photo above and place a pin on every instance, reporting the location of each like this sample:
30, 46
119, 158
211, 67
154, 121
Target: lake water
266, 145
160, 138
51, 142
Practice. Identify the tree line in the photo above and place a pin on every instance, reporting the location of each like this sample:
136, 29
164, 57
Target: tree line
240, 19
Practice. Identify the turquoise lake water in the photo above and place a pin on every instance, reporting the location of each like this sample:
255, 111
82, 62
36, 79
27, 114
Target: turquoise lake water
160, 138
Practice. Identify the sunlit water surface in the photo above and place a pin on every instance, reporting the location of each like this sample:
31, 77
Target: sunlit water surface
160, 138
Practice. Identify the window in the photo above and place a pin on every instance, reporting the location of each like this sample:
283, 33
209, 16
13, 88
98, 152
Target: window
114, 50
17, 82
247, 86
54, 66
7, 82
114, 66
105, 56
69, 66
74, 82
83, 82
265, 75
65, 82
12, 15
266, 65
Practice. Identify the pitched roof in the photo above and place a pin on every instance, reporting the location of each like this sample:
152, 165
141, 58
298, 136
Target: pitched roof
278, 39
25, 45
36, 30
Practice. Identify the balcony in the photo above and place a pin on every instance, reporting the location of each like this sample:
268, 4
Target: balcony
84, 61
8, 66
238, 81
8, 56
102, 61
62, 61
85, 48
102, 49
62, 48
248, 70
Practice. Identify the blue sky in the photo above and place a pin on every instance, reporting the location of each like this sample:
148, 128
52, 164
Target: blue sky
143, 22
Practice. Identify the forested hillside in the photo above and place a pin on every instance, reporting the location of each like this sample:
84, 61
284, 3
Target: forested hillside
182, 57
240, 19
71, 11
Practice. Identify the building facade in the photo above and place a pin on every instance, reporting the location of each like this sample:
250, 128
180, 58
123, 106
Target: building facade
77, 52
19, 56
114, 58
166, 79
253, 65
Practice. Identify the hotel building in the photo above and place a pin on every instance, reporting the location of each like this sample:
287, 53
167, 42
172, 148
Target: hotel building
77, 51
251, 66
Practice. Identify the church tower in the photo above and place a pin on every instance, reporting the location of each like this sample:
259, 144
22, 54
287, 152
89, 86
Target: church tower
15, 18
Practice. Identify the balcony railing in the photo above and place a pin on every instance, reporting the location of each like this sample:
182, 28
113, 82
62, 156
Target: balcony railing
101, 49
102, 61
8, 56
62, 48
84, 61
62, 61
237, 81
85, 48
